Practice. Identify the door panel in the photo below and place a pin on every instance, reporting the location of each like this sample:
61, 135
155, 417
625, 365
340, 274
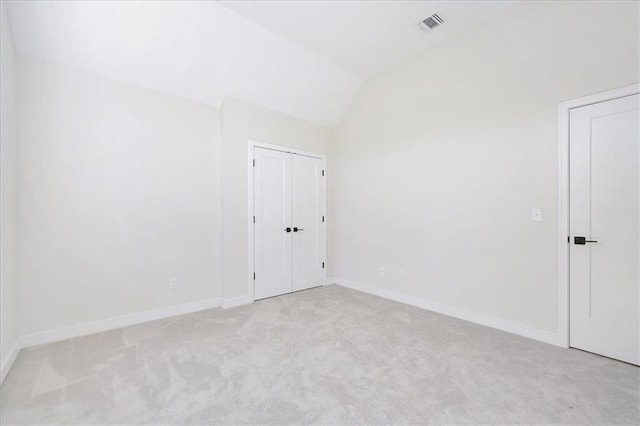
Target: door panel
272, 210
308, 190
604, 207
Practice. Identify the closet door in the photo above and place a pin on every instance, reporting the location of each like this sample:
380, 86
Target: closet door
272, 229
307, 219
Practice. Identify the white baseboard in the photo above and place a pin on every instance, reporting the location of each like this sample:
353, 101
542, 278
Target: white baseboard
7, 363
93, 327
232, 302
482, 319
117, 322
141, 317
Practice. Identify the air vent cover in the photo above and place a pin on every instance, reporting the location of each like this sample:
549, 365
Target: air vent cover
431, 22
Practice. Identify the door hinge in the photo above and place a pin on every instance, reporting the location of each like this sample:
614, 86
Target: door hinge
254, 276
569, 239
322, 265
254, 163
323, 173
323, 219
254, 219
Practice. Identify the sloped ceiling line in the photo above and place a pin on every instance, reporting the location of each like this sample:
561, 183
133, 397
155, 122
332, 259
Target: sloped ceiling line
279, 55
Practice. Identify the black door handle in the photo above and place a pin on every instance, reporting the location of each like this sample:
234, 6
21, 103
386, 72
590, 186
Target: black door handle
582, 241
287, 229
296, 229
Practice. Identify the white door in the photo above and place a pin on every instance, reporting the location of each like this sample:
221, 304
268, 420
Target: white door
605, 228
272, 212
308, 222
289, 222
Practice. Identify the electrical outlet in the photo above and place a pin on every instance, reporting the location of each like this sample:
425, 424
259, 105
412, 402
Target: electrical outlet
381, 270
536, 215
173, 283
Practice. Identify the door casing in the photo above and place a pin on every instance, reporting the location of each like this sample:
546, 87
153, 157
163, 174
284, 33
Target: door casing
563, 193
250, 210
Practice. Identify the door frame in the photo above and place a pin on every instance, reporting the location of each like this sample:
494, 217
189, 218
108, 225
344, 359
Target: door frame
256, 144
564, 108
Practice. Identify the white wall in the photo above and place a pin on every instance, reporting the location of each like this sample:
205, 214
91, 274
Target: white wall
242, 122
8, 194
441, 159
433, 172
119, 190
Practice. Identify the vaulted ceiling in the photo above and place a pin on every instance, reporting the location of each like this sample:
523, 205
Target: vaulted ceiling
365, 37
305, 59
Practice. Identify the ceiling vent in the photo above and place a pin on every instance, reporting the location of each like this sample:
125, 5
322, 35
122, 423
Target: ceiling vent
431, 22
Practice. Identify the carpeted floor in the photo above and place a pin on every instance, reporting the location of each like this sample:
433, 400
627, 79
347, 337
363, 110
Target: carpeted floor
328, 355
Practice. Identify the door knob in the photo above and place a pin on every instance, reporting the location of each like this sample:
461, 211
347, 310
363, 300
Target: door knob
287, 229
582, 240
296, 229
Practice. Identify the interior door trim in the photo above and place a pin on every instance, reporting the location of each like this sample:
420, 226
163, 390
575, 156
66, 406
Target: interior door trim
564, 109
250, 211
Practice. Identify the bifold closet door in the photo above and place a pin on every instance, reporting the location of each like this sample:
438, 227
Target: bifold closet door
307, 188
272, 213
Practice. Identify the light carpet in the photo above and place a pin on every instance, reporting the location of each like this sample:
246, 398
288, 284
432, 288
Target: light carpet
328, 355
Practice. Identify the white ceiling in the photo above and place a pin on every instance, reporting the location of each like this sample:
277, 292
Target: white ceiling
197, 50
365, 37
305, 59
